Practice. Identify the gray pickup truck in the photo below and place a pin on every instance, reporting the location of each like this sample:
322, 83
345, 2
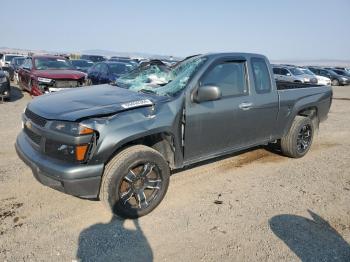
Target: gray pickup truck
119, 142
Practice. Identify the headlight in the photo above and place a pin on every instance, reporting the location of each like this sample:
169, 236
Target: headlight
306, 79
68, 152
72, 153
3, 80
44, 80
71, 128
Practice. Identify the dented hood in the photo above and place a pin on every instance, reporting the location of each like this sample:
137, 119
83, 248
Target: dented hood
60, 74
77, 103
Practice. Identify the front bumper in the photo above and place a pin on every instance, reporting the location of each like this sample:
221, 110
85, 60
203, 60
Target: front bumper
73, 179
344, 82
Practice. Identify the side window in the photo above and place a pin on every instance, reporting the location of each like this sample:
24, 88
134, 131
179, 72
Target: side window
230, 77
28, 64
104, 69
323, 72
97, 68
276, 71
261, 76
284, 71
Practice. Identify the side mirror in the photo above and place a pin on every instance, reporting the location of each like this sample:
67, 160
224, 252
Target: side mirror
289, 74
207, 93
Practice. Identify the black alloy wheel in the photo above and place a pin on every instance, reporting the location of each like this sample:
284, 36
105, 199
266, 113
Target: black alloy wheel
304, 138
140, 186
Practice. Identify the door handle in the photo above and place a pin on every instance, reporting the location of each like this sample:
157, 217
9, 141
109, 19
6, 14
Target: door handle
245, 105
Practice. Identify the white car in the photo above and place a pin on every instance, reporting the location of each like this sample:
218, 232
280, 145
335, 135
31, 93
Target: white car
5, 59
324, 81
321, 80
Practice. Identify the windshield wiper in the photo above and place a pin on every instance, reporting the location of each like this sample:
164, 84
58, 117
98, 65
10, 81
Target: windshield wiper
147, 91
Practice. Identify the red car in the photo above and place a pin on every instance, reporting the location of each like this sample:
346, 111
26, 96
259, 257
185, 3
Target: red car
42, 74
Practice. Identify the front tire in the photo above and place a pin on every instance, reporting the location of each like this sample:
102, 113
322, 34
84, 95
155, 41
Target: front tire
297, 142
135, 181
335, 82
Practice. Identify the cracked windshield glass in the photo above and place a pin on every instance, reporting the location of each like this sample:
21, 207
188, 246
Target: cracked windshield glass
159, 78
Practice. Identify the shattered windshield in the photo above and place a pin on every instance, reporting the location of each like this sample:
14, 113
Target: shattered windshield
160, 79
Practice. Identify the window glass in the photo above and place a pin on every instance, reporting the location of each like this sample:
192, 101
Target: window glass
120, 68
261, 76
276, 71
296, 71
229, 77
98, 68
284, 71
28, 64
315, 71
339, 72
44, 63
104, 69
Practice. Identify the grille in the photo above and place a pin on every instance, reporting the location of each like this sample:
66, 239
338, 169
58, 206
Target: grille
34, 137
38, 120
65, 83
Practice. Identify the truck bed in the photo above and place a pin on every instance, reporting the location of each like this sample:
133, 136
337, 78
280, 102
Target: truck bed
283, 85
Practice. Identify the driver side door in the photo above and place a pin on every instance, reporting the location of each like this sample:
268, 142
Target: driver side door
213, 127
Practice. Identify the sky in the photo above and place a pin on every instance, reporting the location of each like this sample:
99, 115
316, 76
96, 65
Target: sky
289, 29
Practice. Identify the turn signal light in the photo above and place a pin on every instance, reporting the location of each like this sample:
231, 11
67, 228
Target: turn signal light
85, 130
80, 152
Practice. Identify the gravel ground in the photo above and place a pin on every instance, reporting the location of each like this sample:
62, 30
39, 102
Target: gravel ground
256, 206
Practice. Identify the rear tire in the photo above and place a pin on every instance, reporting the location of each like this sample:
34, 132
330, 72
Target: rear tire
135, 181
297, 142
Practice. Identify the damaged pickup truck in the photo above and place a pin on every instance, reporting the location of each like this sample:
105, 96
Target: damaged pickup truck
119, 142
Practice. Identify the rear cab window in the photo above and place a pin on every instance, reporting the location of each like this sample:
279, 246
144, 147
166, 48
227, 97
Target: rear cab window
262, 80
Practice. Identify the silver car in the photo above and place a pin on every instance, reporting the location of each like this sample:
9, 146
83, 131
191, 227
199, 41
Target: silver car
292, 74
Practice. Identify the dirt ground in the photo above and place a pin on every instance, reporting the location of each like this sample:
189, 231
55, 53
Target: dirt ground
256, 206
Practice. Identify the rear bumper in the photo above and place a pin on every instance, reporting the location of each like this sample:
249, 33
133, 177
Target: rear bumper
77, 180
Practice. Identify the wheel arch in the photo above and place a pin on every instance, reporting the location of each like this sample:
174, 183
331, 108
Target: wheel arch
162, 141
307, 111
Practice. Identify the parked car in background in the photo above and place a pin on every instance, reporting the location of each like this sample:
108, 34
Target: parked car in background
5, 87
341, 72
347, 69
321, 80
6, 61
292, 74
7, 58
44, 74
335, 78
94, 58
82, 64
15, 65
130, 61
107, 72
